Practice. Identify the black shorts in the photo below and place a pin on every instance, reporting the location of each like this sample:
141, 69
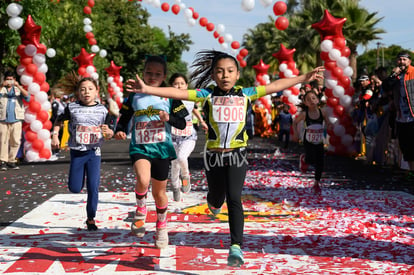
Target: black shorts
159, 167
405, 133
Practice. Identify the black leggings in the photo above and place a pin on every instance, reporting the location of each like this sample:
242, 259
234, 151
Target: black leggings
225, 176
314, 155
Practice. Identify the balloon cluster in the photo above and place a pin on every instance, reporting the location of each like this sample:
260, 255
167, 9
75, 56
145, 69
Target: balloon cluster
287, 69
87, 28
262, 78
32, 70
281, 22
115, 86
248, 5
85, 63
339, 91
225, 40
15, 21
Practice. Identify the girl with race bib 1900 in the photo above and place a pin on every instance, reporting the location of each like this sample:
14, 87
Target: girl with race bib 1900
151, 148
225, 108
88, 127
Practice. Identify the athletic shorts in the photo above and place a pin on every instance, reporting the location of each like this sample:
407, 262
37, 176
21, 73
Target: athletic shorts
159, 167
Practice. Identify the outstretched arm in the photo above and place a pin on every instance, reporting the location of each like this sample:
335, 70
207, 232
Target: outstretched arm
138, 86
284, 83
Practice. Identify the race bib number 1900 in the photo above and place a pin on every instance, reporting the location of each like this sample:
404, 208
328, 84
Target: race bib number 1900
88, 134
228, 109
149, 132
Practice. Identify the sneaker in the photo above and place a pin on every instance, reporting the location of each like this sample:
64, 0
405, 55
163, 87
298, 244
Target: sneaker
235, 257
176, 194
303, 166
91, 225
3, 166
138, 223
185, 185
161, 236
213, 210
13, 165
53, 158
317, 189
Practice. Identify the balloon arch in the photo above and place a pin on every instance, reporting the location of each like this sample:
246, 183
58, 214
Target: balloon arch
32, 69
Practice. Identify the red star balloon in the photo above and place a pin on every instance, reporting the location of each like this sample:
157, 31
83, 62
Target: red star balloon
261, 68
329, 26
30, 34
84, 58
284, 55
113, 69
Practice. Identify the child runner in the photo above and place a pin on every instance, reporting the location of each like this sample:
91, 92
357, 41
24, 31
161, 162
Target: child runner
151, 148
225, 107
313, 116
88, 126
184, 141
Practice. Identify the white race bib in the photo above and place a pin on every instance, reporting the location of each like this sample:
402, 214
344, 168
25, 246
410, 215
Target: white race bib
150, 132
186, 132
314, 133
88, 134
228, 109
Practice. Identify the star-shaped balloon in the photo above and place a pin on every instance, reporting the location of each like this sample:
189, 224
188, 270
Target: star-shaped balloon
329, 26
261, 68
84, 59
284, 55
113, 70
30, 34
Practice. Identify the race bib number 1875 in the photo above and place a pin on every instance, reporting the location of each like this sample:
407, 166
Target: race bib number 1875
149, 132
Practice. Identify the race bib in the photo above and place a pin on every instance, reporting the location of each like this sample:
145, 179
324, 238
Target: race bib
186, 132
314, 133
88, 134
228, 109
150, 132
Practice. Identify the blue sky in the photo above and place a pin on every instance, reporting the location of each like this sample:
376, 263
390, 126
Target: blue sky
396, 21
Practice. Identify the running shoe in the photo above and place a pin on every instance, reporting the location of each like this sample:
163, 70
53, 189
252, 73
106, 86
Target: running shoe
185, 185
3, 166
138, 223
91, 225
235, 257
303, 166
13, 165
213, 210
176, 194
161, 235
317, 189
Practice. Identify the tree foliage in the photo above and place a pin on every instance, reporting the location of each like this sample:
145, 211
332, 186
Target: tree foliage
120, 27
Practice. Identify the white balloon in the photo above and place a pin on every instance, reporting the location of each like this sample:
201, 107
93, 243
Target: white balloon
339, 130
95, 48
156, 4
31, 155
34, 88
177, 1
228, 37
110, 79
331, 83
266, 77
287, 92
247, 5
43, 134
46, 106
30, 50
283, 67
121, 79
47, 142
15, 23
265, 3
39, 59
117, 89
326, 45
188, 13
220, 28
338, 91
43, 68
113, 85
90, 69
333, 120
224, 46
20, 69
51, 53
87, 21
103, 53
36, 125
87, 28
29, 116
27, 146
348, 71
26, 79
342, 62
191, 22
41, 97
345, 100
95, 75
334, 54
14, 9
288, 73
182, 5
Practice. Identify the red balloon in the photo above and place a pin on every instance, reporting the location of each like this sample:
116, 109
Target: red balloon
293, 109
31, 69
195, 15
244, 52
339, 110
44, 87
87, 10
30, 136
34, 107
42, 116
332, 102
26, 61
20, 50
328, 92
175, 8
339, 42
259, 78
235, 45
325, 57
346, 52
165, 7
337, 72
345, 81
89, 35
92, 41
221, 40
281, 23
279, 8
45, 153
203, 21
216, 34
26, 126
38, 144
91, 3
82, 70
210, 27
295, 91
39, 78
47, 125
243, 63
330, 65
239, 57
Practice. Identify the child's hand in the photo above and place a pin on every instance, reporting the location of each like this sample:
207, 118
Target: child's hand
120, 136
106, 131
164, 116
136, 86
55, 142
